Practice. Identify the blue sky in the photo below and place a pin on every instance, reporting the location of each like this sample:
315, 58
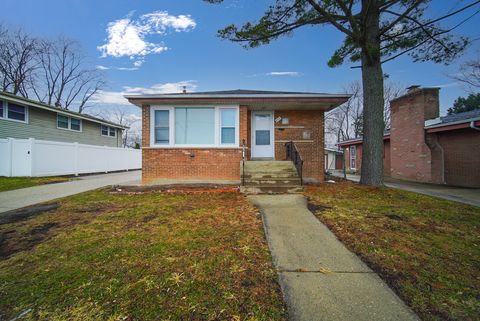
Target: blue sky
180, 47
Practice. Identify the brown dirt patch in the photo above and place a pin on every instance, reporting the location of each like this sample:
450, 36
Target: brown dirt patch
175, 189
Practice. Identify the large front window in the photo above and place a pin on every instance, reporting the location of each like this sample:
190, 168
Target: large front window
194, 126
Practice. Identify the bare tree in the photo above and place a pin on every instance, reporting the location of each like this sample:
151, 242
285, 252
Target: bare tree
65, 79
18, 53
391, 91
469, 75
131, 135
346, 121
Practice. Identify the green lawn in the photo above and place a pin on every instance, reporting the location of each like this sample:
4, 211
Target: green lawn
427, 249
143, 256
11, 183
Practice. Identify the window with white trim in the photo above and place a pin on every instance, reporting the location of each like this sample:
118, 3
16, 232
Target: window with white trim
69, 123
12, 111
109, 131
162, 127
194, 126
353, 157
227, 126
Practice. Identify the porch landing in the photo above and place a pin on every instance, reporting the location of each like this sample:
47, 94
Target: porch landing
270, 177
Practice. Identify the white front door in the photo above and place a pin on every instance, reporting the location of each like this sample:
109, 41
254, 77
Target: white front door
262, 134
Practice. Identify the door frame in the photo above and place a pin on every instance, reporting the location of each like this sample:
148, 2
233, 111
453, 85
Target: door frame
272, 132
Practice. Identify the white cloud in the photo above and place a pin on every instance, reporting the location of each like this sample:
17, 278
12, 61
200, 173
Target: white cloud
126, 68
451, 84
116, 97
127, 37
284, 73
139, 63
100, 67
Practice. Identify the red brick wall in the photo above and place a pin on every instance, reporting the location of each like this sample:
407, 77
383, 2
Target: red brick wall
410, 156
145, 126
386, 158
461, 156
191, 164
311, 150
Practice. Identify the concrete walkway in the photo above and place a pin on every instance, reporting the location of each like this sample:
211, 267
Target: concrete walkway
19, 198
320, 278
469, 196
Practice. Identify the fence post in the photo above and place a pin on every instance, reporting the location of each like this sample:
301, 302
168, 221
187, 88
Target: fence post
75, 161
106, 159
31, 148
10, 156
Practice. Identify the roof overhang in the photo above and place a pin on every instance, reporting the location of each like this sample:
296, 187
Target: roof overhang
357, 141
31, 103
453, 125
324, 102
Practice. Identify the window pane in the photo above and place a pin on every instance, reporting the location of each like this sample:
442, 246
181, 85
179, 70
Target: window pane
1, 109
16, 112
195, 126
112, 132
228, 135
161, 135
161, 118
104, 130
62, 121
262, 137
74, 124
228, 117
162, 127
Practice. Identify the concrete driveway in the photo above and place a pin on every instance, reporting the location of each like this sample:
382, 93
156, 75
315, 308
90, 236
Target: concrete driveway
19, 198
469, 196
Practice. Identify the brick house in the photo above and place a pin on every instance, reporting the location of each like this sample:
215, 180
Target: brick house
421, 146
202, 136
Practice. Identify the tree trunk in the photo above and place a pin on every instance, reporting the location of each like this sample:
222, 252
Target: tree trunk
372, 77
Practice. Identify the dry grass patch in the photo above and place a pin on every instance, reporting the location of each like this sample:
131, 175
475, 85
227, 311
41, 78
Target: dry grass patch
11, 183
427, 249
151, 256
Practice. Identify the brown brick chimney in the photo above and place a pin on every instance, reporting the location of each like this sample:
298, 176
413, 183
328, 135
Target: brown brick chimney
413, 156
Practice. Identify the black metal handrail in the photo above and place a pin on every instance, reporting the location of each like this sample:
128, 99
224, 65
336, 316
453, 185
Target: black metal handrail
294, 155
244, 151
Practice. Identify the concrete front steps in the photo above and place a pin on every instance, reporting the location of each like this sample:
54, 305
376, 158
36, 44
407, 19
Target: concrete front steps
270, 177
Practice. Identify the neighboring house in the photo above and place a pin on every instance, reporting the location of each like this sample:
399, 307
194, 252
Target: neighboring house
199, 136
333, 159
23, 118
423, 147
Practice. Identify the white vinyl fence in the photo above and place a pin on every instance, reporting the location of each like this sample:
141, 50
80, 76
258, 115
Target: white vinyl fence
31, 157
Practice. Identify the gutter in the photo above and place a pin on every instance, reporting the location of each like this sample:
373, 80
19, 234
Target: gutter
472, 125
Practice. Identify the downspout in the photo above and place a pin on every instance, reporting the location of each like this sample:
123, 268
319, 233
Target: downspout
472, 125
436, 144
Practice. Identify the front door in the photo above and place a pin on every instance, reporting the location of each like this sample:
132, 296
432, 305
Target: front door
262, 134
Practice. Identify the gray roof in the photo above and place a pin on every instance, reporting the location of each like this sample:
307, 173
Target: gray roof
238, 93
461, 116
29, 102
249, 92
